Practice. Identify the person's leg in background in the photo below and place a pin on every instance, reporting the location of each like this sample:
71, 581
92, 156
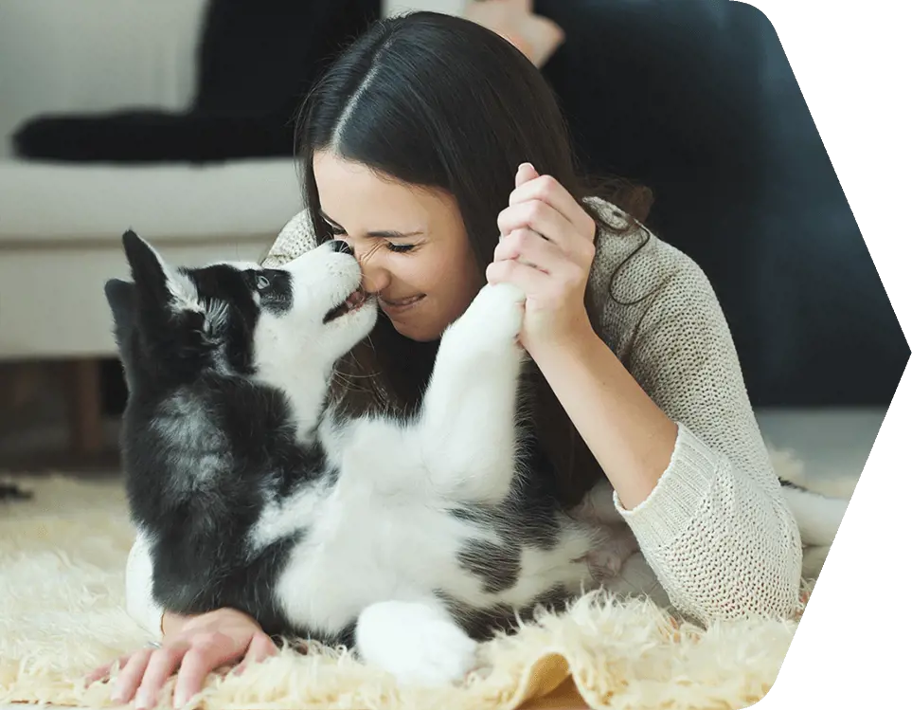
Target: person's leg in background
696, 100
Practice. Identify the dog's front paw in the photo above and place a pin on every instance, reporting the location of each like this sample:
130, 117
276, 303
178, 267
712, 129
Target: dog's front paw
616, 544
496, 313
417, 644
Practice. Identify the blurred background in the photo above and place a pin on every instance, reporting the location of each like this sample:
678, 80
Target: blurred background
174, 118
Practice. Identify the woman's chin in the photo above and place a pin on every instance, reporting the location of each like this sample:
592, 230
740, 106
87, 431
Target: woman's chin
416, 331
412, 333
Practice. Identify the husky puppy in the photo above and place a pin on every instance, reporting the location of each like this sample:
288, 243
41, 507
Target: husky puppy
409, 541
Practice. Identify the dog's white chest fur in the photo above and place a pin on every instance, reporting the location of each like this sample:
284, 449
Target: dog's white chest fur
363, 546
384, 531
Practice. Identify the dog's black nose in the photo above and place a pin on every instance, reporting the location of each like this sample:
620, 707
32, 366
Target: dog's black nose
339, 245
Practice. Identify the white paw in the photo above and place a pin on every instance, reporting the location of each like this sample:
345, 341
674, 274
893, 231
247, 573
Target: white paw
418, 644
495, 315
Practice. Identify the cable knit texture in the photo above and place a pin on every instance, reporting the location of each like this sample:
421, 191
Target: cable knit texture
715, 530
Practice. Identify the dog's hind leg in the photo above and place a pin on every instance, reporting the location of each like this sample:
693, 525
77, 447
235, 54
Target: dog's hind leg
466, 429
416, 641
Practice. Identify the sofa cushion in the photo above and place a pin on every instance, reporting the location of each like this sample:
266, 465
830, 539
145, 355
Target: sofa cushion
44, 202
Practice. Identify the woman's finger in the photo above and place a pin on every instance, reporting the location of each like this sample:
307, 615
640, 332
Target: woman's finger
161, 666
261, 648
104, 672
130, 676
539, 217
202, 659
530, 248
525, 173
547, 189
197, 664
525, 277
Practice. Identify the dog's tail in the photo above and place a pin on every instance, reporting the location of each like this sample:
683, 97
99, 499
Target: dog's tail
817, 503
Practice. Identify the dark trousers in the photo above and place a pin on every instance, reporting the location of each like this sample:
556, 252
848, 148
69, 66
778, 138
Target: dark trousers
696, 99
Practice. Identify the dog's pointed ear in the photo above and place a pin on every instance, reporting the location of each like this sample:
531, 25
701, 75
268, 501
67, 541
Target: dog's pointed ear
147, 268
154, 278
121, 297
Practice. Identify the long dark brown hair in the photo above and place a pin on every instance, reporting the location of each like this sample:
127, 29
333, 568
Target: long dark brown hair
437, 101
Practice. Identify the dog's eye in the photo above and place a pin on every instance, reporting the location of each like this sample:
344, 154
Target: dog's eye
262, 283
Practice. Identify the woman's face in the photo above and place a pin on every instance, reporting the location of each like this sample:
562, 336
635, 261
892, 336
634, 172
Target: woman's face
411, 243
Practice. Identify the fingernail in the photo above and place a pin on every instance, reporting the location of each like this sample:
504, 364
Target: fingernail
141, 702
180, 701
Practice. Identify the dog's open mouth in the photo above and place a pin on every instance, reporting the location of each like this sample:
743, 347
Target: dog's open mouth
352, 303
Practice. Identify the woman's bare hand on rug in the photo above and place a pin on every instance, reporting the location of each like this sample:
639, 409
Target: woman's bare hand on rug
200, 646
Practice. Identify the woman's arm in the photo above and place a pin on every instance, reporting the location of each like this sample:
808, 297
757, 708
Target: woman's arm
692, 476
631, 438
192, 646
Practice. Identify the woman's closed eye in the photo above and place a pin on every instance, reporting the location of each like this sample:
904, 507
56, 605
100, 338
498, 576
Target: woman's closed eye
395, 247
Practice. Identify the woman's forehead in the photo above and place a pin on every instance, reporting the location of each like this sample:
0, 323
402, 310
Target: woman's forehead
350, 190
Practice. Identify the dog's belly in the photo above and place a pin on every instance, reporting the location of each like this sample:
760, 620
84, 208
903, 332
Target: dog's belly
374, 539
358, 552
357, 555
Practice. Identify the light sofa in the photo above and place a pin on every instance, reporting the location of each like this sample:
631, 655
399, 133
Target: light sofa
60, 223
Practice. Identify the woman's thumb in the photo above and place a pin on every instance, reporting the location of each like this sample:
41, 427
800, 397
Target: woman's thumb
525, 173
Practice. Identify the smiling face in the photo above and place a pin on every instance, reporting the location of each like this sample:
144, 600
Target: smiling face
410, 241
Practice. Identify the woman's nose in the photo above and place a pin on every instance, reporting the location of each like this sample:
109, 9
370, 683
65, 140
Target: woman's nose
374, 276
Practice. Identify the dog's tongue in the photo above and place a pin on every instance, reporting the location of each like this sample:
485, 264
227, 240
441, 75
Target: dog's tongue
356, 299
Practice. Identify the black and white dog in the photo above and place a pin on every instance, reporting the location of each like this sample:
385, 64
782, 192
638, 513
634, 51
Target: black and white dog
409, 541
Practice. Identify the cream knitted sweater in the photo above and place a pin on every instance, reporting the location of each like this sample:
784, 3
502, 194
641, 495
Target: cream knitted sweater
715, 531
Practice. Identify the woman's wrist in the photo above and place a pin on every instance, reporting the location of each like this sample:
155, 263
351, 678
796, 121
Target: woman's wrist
569, 342
172, 623
630, 436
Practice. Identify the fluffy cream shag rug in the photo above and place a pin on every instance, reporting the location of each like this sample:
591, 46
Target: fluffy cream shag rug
62, 557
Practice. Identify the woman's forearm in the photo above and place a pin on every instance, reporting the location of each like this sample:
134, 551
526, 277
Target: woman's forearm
630, 436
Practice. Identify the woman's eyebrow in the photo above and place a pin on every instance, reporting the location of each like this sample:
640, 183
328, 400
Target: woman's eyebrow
380, 234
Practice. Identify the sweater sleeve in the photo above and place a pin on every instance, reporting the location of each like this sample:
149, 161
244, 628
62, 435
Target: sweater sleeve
295, 238
716, 529
140, 604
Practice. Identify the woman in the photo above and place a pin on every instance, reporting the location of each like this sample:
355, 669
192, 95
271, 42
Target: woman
439, 153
